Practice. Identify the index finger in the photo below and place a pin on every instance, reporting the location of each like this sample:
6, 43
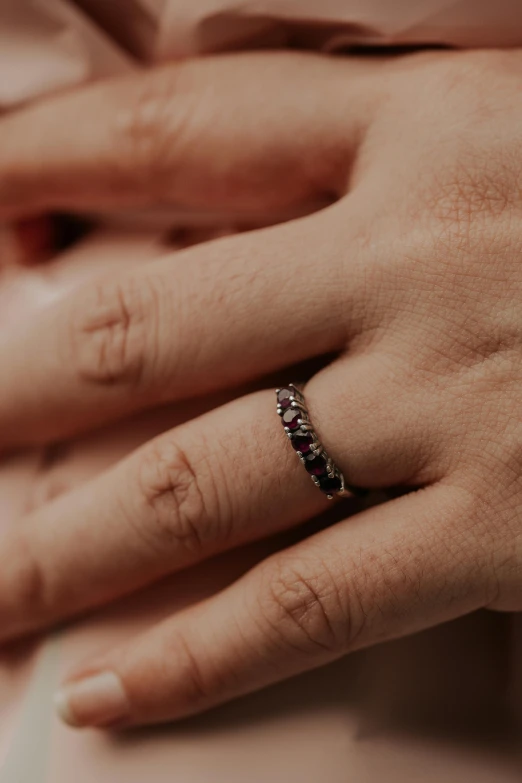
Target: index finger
195, 136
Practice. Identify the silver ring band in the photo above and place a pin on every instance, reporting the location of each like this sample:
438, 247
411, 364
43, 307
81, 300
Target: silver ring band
291, 407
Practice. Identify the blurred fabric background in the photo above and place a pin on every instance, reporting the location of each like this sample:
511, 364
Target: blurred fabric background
445, 705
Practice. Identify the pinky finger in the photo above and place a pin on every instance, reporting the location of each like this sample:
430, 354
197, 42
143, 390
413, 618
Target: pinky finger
389, 571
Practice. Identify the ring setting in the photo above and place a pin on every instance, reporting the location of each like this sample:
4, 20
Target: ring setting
291, 407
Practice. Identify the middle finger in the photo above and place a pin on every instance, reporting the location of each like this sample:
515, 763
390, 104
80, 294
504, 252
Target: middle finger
207, 318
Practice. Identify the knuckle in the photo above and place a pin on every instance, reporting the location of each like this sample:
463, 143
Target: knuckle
472, 189
478, 174
149, 134
170, 488
301, 607
109, 335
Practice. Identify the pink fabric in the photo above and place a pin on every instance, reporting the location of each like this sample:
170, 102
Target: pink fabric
162, 29
442, 706
45, 46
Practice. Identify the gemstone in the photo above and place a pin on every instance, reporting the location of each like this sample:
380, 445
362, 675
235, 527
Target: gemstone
291, 418
330, 485
283, 397
302, 442
316, 465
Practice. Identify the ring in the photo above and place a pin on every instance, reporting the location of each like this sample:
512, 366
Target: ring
292, 409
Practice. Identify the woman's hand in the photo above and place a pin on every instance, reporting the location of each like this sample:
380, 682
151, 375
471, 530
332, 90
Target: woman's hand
413, 278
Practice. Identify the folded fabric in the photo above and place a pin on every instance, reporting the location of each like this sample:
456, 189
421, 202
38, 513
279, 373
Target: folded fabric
162, 29
440, 706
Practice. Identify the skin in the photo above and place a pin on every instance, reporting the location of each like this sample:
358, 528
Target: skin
411, 278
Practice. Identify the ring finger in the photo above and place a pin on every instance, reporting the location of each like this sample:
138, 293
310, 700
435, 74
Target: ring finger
214, 483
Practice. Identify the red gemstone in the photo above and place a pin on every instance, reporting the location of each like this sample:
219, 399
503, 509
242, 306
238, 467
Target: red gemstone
302, 442
291, 418
316, 465
330, 485
283, 397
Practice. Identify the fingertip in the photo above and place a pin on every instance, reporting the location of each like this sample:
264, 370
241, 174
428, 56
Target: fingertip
63, 709
99, 700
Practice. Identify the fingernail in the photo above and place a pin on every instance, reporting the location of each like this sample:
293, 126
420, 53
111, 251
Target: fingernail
99, 700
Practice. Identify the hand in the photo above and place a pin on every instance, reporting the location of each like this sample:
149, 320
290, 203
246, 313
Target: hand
413, 278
